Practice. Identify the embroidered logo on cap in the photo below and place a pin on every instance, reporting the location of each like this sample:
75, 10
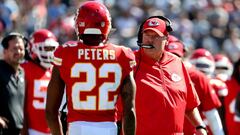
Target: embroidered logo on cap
175, 77
172, 46
153, 23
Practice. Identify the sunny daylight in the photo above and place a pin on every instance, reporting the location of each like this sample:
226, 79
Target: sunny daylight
120, 67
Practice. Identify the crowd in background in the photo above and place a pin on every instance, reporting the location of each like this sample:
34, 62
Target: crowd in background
211, 24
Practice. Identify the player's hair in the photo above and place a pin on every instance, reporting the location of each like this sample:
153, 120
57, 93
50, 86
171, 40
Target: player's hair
11, 36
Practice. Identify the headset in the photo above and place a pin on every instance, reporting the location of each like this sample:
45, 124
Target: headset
139, 36
10, 36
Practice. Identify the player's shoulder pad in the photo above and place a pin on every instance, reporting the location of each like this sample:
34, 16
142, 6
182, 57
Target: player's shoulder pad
128, 52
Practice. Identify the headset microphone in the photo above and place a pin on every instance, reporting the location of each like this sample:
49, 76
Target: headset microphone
147, 46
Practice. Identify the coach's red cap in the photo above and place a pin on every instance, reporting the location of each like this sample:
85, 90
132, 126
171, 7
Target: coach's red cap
157, 25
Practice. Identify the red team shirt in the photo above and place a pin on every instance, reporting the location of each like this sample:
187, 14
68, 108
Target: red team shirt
37, 79
219, 86
232, 121
208, 97
164, 93
93, 77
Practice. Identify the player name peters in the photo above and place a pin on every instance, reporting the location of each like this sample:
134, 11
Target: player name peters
96, 54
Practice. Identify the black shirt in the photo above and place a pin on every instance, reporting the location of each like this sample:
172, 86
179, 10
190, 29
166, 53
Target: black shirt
12, 91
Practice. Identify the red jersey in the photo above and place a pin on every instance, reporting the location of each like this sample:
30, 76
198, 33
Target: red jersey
93, 76
208, 97
232, 120
164, 93
37, 79
219, 86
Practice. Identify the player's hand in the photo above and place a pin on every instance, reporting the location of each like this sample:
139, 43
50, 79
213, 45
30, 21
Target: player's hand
201, 132
3, 122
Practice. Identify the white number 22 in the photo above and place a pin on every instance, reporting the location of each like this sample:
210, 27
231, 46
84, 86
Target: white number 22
92, 74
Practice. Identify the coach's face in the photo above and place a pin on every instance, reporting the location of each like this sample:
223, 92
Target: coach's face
15, 52
158, 41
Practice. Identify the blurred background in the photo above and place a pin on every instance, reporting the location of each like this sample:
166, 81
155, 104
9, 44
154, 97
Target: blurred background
210, 24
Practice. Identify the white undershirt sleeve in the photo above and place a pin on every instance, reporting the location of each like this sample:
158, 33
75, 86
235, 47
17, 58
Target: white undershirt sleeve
214, 122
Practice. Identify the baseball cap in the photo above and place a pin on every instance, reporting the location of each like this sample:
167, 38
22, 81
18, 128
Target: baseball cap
175, 48
156, 24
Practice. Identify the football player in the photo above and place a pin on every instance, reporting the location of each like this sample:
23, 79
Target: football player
204, 61
231, 101
223, 67
95, 73
38, 71
207, 96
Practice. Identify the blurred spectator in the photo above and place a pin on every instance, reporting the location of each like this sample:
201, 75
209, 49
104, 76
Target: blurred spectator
62, 29
34, 15
211, 24
5, 16
209, 43
56, 9
126, 24
231, 45
199, 23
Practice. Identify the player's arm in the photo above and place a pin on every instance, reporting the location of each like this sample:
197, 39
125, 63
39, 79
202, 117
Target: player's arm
54, 97
128, 102
194, 117
214, 121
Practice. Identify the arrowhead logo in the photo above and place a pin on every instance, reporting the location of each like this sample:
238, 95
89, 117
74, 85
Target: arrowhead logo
175, 77
153, 23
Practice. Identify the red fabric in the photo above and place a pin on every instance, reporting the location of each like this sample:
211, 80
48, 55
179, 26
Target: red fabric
157, 25
219, 86
208, 97
164, 93
175, 48
37, 79
74, 60
232, 121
